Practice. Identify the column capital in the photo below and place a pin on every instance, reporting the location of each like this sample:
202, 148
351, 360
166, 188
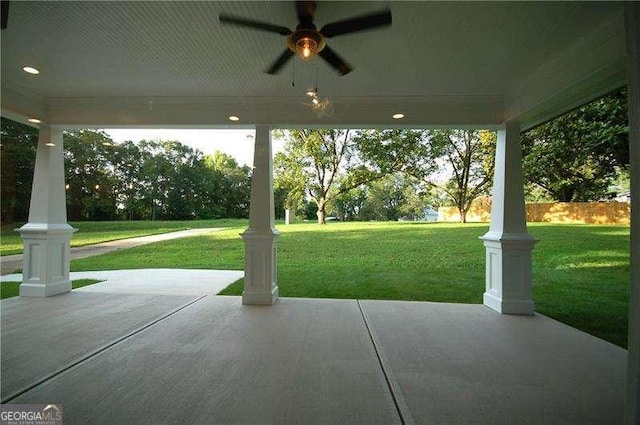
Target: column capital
521, 237
48, 228
267, 234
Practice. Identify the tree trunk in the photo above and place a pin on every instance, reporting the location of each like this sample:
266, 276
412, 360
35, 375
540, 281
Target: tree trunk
321, 216
9, 206
322, 210
463, 214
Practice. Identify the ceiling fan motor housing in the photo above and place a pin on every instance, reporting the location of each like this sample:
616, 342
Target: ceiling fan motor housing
306, 36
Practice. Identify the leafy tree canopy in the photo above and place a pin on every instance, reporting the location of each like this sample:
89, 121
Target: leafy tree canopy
574, 157
157, 179
325, 163
17, 156
469, 156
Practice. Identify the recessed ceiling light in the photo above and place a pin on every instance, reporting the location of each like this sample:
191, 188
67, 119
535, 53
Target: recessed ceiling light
30, 70
34, 120
398, 116
234, 118
51, 144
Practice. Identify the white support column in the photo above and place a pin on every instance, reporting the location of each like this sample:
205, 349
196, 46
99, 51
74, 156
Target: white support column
508, 245
632, 27
46, 237
260, 268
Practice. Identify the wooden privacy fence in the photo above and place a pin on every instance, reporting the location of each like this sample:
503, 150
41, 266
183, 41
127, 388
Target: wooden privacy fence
551, 212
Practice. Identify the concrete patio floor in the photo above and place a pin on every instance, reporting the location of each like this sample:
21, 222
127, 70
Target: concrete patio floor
112, 357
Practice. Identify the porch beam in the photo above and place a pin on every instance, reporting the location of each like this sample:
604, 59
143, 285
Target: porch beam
47, 235
260, 268
632, 27
507, 243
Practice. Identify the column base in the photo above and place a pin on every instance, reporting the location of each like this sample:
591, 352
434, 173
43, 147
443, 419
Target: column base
508, 272
253, 298
46, 258
260, 267
44, 290
524, 307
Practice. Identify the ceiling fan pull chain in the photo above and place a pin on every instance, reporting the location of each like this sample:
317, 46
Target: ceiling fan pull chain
293, 76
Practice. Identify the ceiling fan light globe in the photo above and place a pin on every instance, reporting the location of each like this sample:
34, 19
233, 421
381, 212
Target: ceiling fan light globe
306, 48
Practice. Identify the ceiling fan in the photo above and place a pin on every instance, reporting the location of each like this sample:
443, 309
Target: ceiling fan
307, 41
4, 12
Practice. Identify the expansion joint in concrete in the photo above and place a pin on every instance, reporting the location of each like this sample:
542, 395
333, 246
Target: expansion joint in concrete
84, 358
392, 384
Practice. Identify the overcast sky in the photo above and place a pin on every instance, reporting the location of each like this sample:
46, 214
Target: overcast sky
237, 143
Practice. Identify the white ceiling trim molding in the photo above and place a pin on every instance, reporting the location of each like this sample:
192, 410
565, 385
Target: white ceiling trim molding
19, 103
484, 111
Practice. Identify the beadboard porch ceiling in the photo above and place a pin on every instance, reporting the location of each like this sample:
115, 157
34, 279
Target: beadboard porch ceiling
440, 63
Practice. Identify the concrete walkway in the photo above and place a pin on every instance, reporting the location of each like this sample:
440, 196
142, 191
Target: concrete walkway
11, 263
153, 281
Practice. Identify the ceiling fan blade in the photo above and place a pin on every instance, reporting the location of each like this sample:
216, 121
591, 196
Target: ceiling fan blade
305, 9
4, 6
280, 62
249, 23
361, 23
335, 61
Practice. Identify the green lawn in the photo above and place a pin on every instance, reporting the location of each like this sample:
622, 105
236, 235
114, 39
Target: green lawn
12, 289
91, 232
580, 272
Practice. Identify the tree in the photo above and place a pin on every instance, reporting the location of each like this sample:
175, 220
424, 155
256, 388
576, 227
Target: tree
128, 162
185, 175
396, 150
313, 159
575, 156
390, 198
329, 162
18, 153
289, 184
145, 180
231, 192
348, 206
469, 156
89, 175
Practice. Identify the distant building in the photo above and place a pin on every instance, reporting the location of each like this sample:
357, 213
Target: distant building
624, 196
428, 214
